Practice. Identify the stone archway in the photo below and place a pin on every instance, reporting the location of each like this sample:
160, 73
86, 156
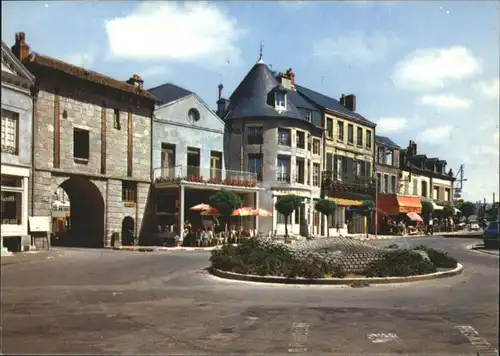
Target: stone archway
128, 231
85, 225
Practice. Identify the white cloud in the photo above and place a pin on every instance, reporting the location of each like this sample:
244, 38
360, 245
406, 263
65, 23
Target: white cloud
294, 4
359, 48
169, 31
435, 135
435, 68
489, 88
154, 71
388, 125
445, 101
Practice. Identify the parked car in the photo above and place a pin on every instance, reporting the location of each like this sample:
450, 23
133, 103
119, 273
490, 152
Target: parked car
491, 235
474, 226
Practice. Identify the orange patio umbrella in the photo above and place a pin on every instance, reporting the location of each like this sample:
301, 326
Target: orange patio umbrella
237, 212
200, 207
260, 212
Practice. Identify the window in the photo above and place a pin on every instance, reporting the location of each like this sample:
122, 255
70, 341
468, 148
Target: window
407, 187
283, 169
329, 162
255, 164
168, 158
435, 193
193, 162
254, 135
216, 166
338, 167
350, 134
280, 100
423, 188
129, 192
368, 139
316, 170
11, 200
329, 128
386, 183
379, 182
309, 116
393, 184
300, 170
284, 137
415, 186
340, 131
193, 115
359, 136
316, 147
10, 130
81, 147
300, 139
447, 194
116, 119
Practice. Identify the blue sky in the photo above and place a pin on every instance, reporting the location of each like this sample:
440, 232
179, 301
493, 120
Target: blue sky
424, 70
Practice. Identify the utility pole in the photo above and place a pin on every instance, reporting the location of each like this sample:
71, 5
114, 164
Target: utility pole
459, 182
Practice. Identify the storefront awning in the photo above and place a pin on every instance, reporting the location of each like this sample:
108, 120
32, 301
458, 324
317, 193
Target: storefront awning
346, 202
392, 204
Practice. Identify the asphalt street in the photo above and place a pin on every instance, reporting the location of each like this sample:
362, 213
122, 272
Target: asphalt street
104, 301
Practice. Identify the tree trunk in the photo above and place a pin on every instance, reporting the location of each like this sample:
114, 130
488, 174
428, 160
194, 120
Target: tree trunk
327, 226
286, 228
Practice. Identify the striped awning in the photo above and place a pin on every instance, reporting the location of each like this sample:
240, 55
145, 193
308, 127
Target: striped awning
346, 202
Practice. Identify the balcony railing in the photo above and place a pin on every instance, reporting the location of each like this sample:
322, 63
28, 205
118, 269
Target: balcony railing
204, 175
330, 177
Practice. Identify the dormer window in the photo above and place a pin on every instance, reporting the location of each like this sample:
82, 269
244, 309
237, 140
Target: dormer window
280, 100
309, 116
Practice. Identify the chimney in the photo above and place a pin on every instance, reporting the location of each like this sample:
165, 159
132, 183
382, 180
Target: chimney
21, 49
136, 81
291, 75
222, 104
348, 101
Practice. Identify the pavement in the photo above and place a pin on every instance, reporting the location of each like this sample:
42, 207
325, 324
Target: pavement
107, 301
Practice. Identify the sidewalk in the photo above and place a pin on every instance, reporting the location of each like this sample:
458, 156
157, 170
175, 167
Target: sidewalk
164, 249
464, 234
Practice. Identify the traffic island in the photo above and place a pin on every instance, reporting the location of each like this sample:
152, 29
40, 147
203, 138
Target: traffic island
482, 249
265, 262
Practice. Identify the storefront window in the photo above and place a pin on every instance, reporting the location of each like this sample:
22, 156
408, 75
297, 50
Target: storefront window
11, 208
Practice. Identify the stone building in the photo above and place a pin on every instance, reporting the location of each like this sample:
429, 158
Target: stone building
275, 133
387, 165
348, 159
93, 139
188, 164
17, 110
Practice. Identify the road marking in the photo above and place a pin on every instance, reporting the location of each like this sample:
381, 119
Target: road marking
476, 340
300, 332
378, 338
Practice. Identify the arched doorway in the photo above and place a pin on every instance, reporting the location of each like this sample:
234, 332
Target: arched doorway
128, 231
78, 214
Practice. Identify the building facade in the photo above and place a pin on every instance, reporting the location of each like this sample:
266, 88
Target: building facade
348, 159
17, 124
92, 137
188, 160
425, 177
275, 133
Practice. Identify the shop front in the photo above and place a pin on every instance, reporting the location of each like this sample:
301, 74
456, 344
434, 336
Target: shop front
347, 218
397, 208
14, 208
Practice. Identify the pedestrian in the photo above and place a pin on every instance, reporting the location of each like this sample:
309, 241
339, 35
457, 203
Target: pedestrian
430, 227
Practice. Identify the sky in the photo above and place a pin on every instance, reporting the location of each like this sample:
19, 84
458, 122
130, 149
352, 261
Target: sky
426, 71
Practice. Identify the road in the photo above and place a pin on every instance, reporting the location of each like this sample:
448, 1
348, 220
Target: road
101, 301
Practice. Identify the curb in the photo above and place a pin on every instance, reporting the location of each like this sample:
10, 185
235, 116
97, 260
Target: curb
162, 249
479, 248
468, 236
336, 281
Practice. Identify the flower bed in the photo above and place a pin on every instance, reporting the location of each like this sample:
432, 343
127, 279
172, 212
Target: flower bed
261, 258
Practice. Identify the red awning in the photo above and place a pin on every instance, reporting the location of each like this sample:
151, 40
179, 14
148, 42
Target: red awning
393, 204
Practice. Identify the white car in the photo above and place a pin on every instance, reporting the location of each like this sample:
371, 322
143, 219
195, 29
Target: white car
474, 227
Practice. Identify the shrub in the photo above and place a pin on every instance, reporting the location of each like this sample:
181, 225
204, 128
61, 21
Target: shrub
440, 259
399, 263
264, 259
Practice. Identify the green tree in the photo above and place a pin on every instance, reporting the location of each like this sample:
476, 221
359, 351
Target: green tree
468, 209
326, 207
427, 209
225, 202
286, 205
449, 210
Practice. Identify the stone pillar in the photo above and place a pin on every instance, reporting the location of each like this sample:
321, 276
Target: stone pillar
181, 213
